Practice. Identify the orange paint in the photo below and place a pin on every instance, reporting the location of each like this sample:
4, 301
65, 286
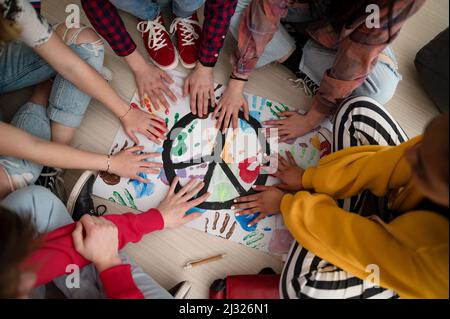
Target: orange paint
315, 141
148, 105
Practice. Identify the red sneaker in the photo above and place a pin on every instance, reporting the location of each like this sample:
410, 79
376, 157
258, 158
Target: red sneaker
188, 33
158, 44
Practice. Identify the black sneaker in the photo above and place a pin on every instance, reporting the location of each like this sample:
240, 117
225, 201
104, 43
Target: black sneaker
80, 201
51, 178
180, 290
267, 271
304, 82
293, 62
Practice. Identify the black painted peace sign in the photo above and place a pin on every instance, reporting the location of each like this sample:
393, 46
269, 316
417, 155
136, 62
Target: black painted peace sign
212, 160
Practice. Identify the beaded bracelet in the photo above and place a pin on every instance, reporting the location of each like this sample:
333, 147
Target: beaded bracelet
108, 161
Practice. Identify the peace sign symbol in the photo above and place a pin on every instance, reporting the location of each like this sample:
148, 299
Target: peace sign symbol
214, 161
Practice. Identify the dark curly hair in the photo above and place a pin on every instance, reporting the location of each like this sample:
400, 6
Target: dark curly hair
343, 13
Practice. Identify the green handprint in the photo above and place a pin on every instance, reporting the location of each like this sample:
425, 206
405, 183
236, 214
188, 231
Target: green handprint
119, 199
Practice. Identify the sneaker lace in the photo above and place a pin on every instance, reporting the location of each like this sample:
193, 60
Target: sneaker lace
155, 29
100, 210
309, 87
187, 30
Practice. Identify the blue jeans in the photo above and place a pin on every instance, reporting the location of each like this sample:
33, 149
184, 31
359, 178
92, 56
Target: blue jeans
280, 45
47, 213
21, 67
379, 85
150, 9
31, 118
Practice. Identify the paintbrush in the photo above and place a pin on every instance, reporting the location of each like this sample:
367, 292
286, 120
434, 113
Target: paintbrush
199, 262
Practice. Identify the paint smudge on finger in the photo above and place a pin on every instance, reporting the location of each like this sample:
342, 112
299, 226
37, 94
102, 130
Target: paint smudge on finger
148, 104
195, 210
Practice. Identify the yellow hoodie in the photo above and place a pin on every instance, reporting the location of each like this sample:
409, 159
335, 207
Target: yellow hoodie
411, 251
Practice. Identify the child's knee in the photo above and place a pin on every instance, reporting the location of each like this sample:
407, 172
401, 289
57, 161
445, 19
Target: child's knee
189, 5
74, 35
89, 44
386, 91
88, 36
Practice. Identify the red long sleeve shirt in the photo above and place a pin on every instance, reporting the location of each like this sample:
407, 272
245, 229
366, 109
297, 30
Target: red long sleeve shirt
57, 252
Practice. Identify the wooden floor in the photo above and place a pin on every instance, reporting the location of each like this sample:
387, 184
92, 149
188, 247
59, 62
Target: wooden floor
162, 254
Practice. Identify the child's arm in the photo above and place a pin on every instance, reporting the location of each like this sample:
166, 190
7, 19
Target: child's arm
150, 80
70, 66
264, 16
125, 288
107, 22
125, 163
58, 251
410, 253
348, 172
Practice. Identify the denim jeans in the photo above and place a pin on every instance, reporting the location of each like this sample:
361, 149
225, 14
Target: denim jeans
21, 67
47, 213
150, 9
280, 45
379, 85
31, 118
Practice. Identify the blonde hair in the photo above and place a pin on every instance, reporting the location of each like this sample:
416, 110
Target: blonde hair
8, 30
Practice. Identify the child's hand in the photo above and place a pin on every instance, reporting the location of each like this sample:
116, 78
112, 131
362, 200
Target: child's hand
267, 202
287, 172
128, 163
149, 125
174, 206
200, 85
295, 125
101, 243
153, 83
230, 104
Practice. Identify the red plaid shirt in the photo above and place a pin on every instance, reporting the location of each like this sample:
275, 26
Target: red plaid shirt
357, 46
106, 20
